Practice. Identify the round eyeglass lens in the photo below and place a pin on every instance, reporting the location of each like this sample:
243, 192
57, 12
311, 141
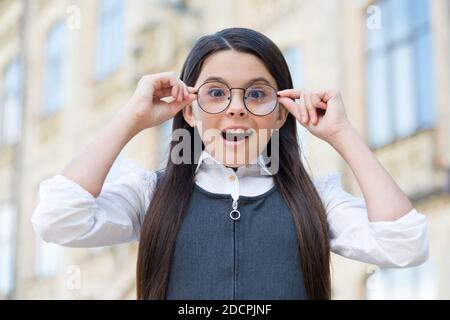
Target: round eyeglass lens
213, 97
261, 99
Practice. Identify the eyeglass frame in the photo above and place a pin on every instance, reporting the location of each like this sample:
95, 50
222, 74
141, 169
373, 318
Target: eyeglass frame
231, 97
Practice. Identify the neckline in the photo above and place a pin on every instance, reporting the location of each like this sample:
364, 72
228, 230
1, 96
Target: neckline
228, 196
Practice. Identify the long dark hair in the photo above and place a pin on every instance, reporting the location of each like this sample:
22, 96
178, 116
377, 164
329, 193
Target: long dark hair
164, 215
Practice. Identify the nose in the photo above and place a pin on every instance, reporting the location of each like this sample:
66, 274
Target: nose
237, 106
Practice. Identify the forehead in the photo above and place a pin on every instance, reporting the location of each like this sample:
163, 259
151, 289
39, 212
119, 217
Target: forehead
236, 68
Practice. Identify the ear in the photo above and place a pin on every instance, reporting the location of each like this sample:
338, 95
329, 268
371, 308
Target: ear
188, 115
282, 116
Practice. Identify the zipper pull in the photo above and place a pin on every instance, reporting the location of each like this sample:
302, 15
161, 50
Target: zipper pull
235, 214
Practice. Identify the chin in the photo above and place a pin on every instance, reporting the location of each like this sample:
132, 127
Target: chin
235, 155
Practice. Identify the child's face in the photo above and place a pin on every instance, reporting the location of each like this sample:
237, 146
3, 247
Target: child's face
236, 69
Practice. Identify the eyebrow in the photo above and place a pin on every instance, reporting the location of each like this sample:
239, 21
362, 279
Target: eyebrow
259, 79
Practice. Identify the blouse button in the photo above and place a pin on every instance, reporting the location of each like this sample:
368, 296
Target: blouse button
232, 178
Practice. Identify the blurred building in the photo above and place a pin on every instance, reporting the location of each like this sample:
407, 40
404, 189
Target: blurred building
67, 66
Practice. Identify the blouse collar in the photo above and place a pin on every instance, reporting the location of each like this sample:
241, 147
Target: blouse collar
256, 167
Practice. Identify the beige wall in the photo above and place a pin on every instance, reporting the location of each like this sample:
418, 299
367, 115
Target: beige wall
330, 35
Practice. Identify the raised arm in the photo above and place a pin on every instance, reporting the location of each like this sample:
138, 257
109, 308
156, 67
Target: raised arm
144, 110
76, 208
385, 200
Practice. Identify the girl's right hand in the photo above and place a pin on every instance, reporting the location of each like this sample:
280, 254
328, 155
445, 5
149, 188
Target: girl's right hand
146, 105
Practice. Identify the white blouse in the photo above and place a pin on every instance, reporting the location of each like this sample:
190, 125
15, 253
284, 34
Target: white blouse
70, 216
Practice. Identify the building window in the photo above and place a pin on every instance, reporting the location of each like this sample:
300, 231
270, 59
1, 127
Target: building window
403, 283
55, 65
179, 5
110, 36
400, 79
11, 108
7, 248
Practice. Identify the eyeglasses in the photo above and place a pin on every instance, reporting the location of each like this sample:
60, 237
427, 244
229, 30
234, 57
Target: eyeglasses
215, 97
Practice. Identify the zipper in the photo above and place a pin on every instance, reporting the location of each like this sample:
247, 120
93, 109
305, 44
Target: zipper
234, 215
234, 261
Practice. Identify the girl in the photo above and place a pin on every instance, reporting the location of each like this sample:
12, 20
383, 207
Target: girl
214, 227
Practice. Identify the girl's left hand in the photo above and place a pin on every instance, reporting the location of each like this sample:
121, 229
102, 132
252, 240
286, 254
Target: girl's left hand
321, 112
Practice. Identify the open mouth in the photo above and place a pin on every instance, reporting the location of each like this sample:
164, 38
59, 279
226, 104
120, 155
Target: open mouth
235, 135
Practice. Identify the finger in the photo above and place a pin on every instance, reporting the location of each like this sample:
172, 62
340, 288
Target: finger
185, 92
303, 110
182, 104
168, 84
166, 81
160, 81
291, 106
291, 93
317, 101
175, 92
326, 95
311, 110
192, 93
176, 106
322, 105
162, 93
192, 96
180, 90
189, 95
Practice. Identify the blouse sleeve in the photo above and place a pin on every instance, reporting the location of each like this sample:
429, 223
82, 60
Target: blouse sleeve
70, 216
399, 243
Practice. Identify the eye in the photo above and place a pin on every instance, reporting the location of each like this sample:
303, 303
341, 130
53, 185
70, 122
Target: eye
216, 93
255, 94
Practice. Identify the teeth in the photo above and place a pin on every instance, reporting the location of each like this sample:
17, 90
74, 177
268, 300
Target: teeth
236, 131
236, 134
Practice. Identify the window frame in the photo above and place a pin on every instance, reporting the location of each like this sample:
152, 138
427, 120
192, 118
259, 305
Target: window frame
389, 43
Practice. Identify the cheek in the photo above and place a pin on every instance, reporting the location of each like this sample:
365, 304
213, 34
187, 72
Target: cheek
208, 121
202, 119
267, 122
265, 126
208, 125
